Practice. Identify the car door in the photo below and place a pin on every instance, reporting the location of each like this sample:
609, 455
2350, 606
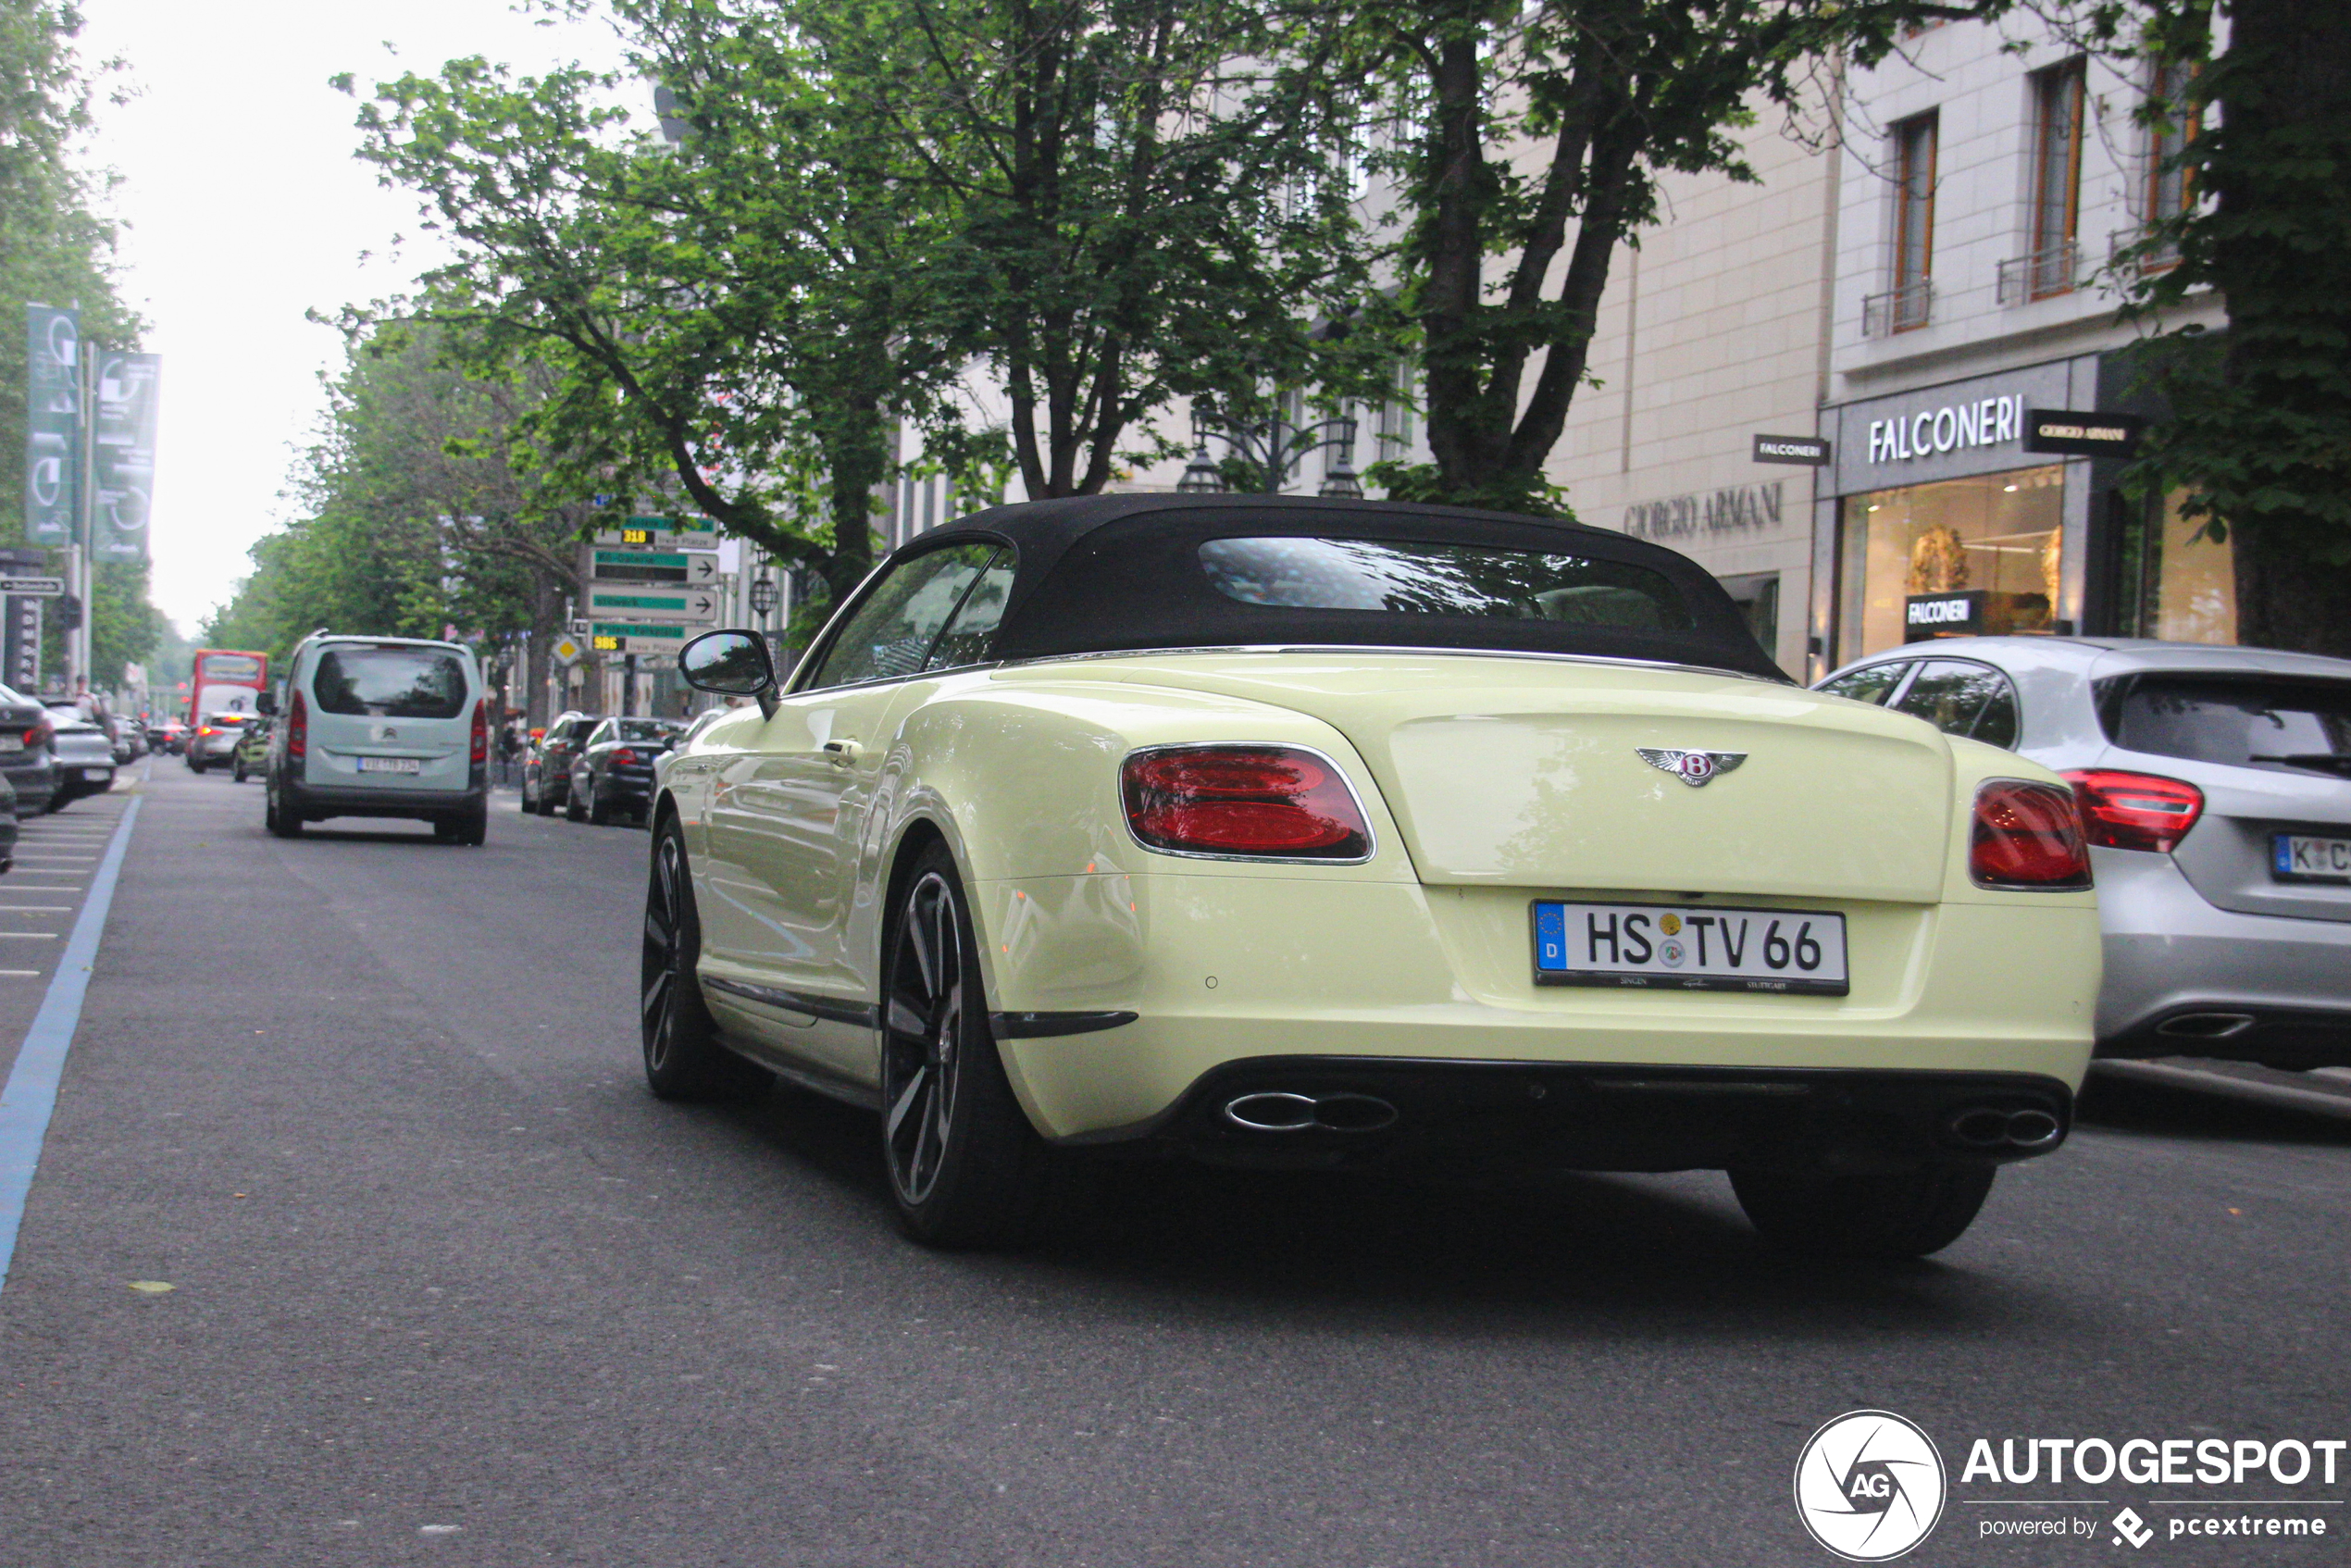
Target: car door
786, 813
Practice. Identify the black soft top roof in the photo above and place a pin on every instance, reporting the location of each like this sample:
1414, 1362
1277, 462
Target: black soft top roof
1119, 573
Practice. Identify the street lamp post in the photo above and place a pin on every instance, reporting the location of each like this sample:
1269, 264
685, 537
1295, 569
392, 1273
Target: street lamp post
1274, 448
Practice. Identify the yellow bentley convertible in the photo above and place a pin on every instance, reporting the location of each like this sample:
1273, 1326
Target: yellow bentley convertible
1291, 832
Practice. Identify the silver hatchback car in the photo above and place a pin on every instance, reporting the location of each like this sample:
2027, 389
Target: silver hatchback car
2214, 786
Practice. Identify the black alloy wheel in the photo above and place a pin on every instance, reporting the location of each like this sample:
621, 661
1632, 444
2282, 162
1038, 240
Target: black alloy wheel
965, 1167
683, 1057
275, 816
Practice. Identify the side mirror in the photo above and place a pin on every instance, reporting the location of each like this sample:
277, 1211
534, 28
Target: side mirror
266, 705
733, 664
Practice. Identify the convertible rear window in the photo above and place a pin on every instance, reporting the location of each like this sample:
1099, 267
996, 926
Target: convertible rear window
2284, 726
390, 682
1463, 581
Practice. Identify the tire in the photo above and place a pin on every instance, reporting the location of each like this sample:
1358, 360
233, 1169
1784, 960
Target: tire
530, 797
965, 1167
1904, 1215
573, 810
472, 827
195, 765
683, 1058
237, 771
599, 812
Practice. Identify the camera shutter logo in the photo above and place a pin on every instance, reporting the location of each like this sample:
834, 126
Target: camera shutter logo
1869, 1485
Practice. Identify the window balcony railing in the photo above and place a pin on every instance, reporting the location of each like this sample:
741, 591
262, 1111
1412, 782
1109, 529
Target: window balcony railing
1899, 310
2160, 258
2050, 271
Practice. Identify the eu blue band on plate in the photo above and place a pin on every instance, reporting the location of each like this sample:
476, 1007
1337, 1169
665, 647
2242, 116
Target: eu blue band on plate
1550, 936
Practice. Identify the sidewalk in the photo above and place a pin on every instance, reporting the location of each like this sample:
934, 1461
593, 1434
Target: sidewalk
2323, 1091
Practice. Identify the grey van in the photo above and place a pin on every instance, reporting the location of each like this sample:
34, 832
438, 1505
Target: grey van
380, 726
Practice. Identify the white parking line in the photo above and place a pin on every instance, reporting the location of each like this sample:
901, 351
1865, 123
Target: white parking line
20, 973
36, 909
31, 936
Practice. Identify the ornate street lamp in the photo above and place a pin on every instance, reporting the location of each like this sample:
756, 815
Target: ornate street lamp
1340, 482
1201, 476
762, 595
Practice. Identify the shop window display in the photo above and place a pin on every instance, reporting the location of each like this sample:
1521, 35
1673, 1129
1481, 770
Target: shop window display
2178, 584
1995, 537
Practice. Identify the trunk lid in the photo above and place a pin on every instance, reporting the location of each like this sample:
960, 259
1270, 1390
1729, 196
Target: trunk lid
1531, 772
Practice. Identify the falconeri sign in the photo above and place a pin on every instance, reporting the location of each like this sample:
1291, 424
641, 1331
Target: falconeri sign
1986, 422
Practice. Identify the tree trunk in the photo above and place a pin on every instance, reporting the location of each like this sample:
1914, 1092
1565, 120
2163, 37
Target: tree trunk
2282, 258
546, 625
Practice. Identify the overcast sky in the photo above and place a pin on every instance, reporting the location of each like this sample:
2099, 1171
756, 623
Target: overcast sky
245, 208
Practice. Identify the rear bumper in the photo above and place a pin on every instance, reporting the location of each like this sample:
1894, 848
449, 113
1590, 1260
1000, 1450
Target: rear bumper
312, 801
1338, 1110
1222, 969
2186, 978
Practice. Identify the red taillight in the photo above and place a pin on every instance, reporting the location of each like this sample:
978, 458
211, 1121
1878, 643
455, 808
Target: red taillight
37, 736
204, 729
624, 758
1275, 801
480, 751
298, 728
2027, 835
2135, 811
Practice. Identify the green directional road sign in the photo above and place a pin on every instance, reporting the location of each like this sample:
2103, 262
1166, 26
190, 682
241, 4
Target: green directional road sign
637, 637
603, 565
627, 602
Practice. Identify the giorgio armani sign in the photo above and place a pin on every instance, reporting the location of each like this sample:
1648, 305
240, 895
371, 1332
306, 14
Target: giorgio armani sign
1733, 509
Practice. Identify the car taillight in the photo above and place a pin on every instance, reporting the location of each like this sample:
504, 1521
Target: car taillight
624, 758
2135, 811
204, 729
2027, 835
298, 728
1274, 800
480, 749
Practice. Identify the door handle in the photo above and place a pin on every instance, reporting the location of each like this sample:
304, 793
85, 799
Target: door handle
841, 753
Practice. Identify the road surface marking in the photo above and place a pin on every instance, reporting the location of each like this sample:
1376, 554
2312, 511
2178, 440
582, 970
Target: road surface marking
31, 1095
20, 971
33, 936
36, 909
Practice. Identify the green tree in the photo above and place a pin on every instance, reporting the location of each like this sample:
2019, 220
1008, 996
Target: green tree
2258, 429
1529, 145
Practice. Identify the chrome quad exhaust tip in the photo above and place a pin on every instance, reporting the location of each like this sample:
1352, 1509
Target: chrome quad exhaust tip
1281, 1111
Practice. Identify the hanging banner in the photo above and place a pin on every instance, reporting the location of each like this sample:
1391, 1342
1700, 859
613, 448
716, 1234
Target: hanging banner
123, 454
52, 422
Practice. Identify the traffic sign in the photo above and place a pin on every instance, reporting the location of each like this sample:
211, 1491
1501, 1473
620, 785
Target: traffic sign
566, 650
34, 587
632, 637
658, 533
665, 568
627, 602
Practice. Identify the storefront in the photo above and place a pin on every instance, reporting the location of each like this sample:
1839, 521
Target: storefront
1936, 520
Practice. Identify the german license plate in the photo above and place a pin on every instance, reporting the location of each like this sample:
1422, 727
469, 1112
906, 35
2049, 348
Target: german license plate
1673, 947
2309, 857
390, 765
97, 775
11, 744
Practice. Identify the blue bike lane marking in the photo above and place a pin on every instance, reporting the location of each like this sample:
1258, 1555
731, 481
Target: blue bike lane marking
31, 1091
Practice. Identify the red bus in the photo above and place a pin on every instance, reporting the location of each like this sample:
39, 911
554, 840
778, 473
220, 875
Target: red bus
223, 680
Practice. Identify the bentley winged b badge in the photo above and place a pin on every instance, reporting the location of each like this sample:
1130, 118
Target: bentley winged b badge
1693, 768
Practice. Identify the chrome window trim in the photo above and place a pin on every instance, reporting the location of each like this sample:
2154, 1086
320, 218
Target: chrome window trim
1610, 659
1370, 832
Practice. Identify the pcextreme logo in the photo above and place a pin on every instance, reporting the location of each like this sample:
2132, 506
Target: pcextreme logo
1869, 1485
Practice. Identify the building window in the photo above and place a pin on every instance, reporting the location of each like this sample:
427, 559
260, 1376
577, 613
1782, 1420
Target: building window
2057, 180
1910, 303
1997, 535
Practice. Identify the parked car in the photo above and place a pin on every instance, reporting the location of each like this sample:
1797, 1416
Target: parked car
25, 760
2215, 786
380, 726
85, 758
613, 773
1286, 831
129, 742
546, 775
213, 740
250, 752
169, 736
7, 825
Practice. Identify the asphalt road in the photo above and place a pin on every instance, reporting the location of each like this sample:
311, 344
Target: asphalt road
449, 1287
